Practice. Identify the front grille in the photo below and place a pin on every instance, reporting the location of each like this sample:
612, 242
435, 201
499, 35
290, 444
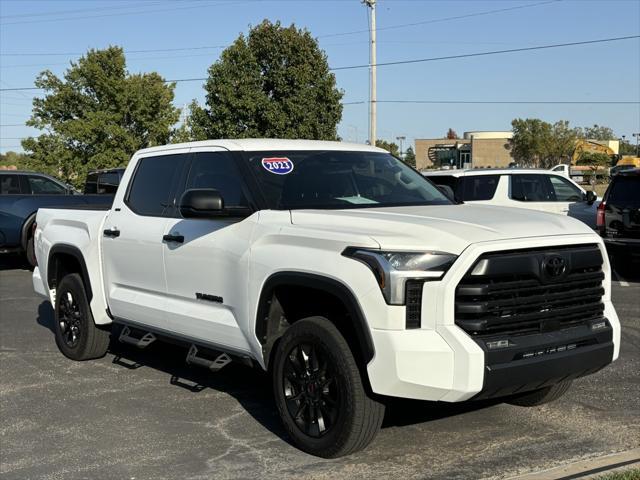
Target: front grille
517, 292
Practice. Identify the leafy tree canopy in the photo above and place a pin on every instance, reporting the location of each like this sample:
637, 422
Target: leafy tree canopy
390, 147
451, 134
98, 115
541, 144
597, 132
275, 82
410, 157
594, 160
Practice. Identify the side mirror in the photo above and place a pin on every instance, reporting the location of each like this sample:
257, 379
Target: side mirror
447, 191
201, 203
591, 197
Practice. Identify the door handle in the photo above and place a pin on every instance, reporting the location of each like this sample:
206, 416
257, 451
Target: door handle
173, 238
111, 233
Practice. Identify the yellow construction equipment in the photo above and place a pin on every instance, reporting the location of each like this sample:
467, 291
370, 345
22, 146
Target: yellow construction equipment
583, 146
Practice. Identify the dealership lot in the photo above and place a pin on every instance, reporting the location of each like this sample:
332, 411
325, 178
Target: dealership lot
141, 414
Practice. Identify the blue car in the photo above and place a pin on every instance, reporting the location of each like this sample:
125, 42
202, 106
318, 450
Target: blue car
21, 194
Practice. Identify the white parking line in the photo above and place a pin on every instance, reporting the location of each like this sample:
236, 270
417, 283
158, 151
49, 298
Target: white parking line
621, 281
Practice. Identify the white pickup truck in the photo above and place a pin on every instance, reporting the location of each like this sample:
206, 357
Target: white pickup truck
345, 274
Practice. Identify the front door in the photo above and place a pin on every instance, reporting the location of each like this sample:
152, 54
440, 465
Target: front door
207, 265
132, 241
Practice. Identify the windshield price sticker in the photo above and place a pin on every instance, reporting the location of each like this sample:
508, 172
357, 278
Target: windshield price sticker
278, 165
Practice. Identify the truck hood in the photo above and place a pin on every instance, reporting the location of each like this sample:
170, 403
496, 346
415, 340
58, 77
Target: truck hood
450, 228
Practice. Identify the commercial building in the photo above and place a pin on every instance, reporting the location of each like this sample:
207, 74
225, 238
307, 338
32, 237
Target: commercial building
473, 150
483, 150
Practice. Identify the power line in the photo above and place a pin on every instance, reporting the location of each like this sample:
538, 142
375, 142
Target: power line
390, 27
494, 52
442, 19
508, 102
82, 10
116, 14
419, 60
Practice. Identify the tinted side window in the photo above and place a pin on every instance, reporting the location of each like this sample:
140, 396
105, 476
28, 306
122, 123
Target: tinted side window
480, 187
10, 185
108, 183
44, 186
531, 188
152, 187
218, 170
565, 190
91, 185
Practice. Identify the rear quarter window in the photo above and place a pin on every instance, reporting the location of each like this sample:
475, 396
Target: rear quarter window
10, 185
625, 189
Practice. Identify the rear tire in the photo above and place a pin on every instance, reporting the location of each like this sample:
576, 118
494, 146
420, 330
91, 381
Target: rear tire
319, 392
31, 253
541, 396
77, 336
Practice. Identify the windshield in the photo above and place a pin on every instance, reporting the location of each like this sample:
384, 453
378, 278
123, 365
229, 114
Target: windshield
340, 179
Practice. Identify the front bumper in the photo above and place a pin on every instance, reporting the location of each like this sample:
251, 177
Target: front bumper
441, 362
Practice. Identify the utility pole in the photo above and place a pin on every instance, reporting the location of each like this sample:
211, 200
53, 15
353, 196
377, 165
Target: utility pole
401, 139
372, 109
637, 135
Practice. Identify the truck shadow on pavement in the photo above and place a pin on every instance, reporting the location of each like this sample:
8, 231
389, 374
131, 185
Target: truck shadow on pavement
250, 386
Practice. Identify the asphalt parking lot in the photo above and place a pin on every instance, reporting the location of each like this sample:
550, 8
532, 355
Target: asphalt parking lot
144, 414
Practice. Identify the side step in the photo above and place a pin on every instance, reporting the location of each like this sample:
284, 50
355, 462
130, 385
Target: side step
126, 336
220, 361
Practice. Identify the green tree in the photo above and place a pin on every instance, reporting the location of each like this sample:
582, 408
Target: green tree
410, 157
98, 115
540, 144
451, 134
14, 159
275, 82
595, 161
390, 147
597, 132
626, 148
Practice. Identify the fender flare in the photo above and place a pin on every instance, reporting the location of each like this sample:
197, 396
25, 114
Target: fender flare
24, 231
318, 282
77, 254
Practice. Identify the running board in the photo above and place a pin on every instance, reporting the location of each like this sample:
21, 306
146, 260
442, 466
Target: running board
142, 342
219, 362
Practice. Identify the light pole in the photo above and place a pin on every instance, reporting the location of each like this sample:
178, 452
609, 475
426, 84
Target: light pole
373, 107
401, 139
637, 135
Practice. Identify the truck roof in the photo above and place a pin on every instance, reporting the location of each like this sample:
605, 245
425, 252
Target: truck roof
486, 171
269, 144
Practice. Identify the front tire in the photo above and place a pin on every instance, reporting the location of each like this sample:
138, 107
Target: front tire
319, 391
540, 396
77, 336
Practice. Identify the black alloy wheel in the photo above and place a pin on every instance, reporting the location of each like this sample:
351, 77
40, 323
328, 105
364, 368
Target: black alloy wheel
69, 319
310, 389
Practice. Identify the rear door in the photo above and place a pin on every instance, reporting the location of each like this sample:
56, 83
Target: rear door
206, 272
571, 200
132, 240
533, 191
622, 211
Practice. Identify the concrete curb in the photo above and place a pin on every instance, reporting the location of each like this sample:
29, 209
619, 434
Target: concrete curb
588, 469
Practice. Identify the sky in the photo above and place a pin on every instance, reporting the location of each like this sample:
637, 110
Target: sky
48, 34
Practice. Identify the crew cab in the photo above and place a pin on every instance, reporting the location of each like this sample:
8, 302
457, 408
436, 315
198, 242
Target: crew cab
341, 271
541, 190
21, 194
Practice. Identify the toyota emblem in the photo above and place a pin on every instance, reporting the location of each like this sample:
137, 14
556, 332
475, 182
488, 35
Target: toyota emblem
554, 267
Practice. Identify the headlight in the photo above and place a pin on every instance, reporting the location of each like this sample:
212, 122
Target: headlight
393, 269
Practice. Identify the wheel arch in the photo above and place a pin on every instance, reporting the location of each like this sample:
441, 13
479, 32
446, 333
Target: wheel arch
25, 231
64, 259
269, 328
